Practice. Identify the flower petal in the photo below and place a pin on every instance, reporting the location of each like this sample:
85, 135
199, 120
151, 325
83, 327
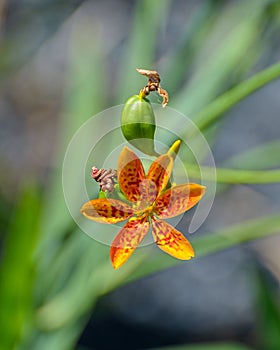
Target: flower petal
178, 199
174, 149
148, 194
128, 239
106, 210
171, 241
130, 174
160, 171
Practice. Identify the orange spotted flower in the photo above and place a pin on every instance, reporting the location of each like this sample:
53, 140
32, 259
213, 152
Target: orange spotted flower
150, 202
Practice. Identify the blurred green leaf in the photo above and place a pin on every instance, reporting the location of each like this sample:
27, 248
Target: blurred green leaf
224, 102
91, 277
62, 339
74, 270
240, 24
149, 16
61, 251
207, 346
178, 61
17, 270
234, 176
83, 98
260, 157
13, 52
154, 260
269, 315
87, 285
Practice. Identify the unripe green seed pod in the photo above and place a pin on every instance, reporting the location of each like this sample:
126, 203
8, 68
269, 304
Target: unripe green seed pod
138, 124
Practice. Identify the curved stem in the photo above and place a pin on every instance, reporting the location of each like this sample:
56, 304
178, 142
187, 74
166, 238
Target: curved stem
215, 109
210, 243
234, 176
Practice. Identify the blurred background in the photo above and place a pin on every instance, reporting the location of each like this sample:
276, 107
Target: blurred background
62, 62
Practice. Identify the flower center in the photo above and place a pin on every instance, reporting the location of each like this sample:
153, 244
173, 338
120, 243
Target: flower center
148, 194
141, 210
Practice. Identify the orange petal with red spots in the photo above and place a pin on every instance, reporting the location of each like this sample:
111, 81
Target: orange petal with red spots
106, 210
178, 199
130, 174
148, 194
160, 171
128, 239
171, 241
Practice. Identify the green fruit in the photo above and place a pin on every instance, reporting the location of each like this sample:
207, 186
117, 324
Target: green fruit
138, 124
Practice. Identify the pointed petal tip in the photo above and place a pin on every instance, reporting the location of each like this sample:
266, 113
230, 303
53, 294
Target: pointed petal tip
199, 187
115, 266
190, 254
127, 155
112, 257
125, 150
172, 241
117, 261
127, 240
174, 149
176, 144
85, 206
82, 210
203, 190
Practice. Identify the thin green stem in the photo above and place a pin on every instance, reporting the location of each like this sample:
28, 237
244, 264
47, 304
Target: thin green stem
210, 243
223, 103
237, 234
234, 176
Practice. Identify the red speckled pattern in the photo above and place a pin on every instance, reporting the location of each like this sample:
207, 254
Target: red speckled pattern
148, 191
130, 174
148, 203
171, 241
106, 210
160, 171
178, 199
128, 239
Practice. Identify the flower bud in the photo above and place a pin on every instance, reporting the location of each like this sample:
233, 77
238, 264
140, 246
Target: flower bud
174, 149
138, 124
